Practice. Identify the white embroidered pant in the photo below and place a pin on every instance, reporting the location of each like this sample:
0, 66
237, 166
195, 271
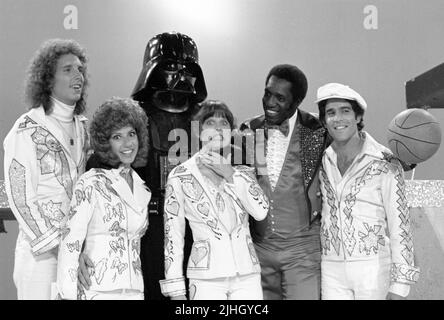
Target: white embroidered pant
245, 287
33, 275
123, 294
355, 280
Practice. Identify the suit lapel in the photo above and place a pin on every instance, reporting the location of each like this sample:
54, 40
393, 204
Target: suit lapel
142, 194
81, 139
205, 197
123, 190
57, 133
312, 147
43, 123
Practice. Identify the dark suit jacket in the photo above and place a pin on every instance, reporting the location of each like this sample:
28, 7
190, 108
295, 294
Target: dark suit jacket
313, 141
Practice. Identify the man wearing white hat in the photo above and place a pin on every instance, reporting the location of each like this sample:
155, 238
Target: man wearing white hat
367, 248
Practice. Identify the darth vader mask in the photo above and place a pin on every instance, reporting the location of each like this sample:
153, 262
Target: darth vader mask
171, 77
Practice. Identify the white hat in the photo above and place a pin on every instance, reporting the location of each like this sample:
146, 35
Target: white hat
340, 91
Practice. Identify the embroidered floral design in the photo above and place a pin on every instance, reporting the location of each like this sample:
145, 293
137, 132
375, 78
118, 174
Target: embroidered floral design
200, 255
116, 229
371, 240
52, 210
404, 273
82, 195
203, 208
104, 185
191, 188
194, 192
258, 195
325, 241
52, 158
103, 191
24, 124
334, 229
404, 216
212, 224
376, 168
120, 266
172, 205
254, 189
113, 212
118, 246
168, 245
18, 190
73, 246
220, 204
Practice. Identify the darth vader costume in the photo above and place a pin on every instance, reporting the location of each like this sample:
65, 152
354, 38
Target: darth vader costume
169, 88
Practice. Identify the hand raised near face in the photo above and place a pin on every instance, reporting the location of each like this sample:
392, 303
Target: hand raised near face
218, 164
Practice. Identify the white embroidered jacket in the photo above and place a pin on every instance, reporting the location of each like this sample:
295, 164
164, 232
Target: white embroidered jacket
216, 252
110, 220
40, 173
365, 213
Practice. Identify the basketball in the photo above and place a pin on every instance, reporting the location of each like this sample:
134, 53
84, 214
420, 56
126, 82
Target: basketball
414, 135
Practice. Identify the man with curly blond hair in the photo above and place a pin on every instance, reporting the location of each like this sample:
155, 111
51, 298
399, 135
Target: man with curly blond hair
45, 152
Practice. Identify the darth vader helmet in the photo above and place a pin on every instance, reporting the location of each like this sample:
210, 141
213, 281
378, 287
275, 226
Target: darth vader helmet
171, 74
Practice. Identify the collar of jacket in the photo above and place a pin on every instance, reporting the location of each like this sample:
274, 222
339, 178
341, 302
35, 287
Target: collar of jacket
121, 189
36, 117
306, 119
136, 179
314, 140
185, 168
371, 149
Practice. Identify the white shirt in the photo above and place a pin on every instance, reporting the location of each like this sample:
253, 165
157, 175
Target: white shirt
277, 146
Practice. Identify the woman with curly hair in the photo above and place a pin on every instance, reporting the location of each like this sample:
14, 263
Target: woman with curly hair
45, 152
108, 212
217, 199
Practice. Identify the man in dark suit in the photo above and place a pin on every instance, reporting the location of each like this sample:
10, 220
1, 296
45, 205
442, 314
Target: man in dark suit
287, 241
